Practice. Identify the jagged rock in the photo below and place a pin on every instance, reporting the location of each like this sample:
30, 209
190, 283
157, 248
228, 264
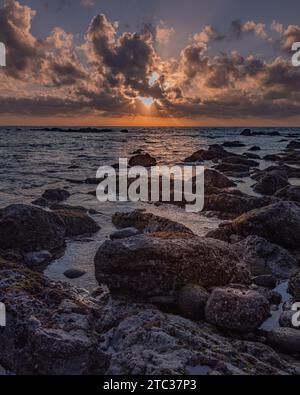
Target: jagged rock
192, 300
77, 222
285, 339
147, 223
237, 309
124, 233
145, 160
294, 284
74, 273
264, 257
56, 195
160, 264
30, 229
270, 184
290, 192
279, 223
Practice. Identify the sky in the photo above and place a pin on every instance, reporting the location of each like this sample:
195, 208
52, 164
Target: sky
148, 63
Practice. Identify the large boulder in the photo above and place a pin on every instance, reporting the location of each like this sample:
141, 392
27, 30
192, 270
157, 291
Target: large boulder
270, 184
147, 223
279, 223
192, 300
264, 257
77, 222
161, 264
236, 309
30, 229
215, 179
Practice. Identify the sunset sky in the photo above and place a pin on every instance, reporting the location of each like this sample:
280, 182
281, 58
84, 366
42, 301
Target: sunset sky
142, 62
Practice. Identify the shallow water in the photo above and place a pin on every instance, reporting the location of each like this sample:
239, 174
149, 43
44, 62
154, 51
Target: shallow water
32, 161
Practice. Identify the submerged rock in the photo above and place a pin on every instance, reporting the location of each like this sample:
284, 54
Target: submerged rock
30, 229
161, 264
124, 233
74, 273
236, 309
145, 160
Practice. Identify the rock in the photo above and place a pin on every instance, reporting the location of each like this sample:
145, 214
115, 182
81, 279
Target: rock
33, 259
279, 223
265, 280
86, 335
41, 202
294, 285
264, 257
233, 203
56, 195
293, 145
232, 168
214, 152
233, 144
124, 233
290, 192
161, 264
285, 339
147, 223
255, 148
77, 223
74, 273
144, 160
124, 131
272, 158
213, 178
237, 309
192, 300
251, 156
30, 229
270, 184
246, 132
286, 319
240, 160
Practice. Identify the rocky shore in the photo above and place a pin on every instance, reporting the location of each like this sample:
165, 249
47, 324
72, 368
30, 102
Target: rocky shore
168, 301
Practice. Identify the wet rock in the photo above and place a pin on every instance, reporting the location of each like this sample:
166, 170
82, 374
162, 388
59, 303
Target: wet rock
293, 145
285, 339
56, 195
214, 152
192, 300
30, 229
240, 160
272, 158
74, 273
35, 259
265, 280
264, 257
246, 132
250, 155
124, 233
279, 223
237, 309
145, 160
77, 222
233, 203
233, 144
147, 223
41, 202
213, 178
160, 264
290, 192
228, 168
270, 184
294, 285
255, 148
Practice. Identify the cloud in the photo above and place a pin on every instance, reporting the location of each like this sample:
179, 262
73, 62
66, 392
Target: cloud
108, 73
